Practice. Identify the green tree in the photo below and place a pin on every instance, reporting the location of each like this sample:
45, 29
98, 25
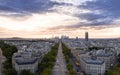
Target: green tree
9, 72
26, 72
46, 65
119, 58
67, 54
47, 71
8, 51
113, 71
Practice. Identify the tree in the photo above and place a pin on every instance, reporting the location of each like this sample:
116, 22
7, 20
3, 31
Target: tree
47, 71
8, 51
9, 72
113, 71
67, 54
26, 72
119, 58
47, 63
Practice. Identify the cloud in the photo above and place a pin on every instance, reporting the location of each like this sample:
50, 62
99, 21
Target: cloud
91, 16
84, 26
25, 7
95, 12
108, 8
86, 12
35, 21
72, 2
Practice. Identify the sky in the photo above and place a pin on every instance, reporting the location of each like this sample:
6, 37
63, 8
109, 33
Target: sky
50, 18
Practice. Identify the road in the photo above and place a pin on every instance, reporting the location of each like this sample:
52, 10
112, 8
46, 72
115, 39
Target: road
75, 67
60, 64
0, 61
0, 66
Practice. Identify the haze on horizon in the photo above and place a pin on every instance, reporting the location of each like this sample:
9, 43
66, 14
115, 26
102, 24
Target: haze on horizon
49, 18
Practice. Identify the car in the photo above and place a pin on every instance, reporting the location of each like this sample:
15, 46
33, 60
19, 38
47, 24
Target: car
77, 70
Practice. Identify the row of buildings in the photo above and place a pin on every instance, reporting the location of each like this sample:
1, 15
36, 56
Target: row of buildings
95, 56
96, 63
29, 55
25, 61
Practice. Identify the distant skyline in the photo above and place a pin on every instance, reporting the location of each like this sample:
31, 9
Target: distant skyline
50, 18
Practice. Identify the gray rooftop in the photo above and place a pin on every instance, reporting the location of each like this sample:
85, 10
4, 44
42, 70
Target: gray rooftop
102, 53
95, 62
26, 61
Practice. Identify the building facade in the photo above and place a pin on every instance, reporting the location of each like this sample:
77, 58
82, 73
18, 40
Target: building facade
20, 63
94, 67
86, 36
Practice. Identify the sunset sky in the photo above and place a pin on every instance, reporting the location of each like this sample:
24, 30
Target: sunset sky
49, 18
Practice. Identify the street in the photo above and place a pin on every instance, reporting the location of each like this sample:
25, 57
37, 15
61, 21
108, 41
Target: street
0, 61
60, 64
76, 68
0, 66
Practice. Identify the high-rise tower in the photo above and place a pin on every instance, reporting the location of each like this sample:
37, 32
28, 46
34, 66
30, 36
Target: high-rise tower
86, 36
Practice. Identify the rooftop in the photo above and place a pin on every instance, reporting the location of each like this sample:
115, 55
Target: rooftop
95, 62
26, 61
102, 53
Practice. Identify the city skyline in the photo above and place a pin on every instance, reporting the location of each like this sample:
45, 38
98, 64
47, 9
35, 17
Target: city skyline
50, 18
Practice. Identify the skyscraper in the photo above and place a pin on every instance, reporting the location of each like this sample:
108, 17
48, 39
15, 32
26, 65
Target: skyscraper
86, 36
